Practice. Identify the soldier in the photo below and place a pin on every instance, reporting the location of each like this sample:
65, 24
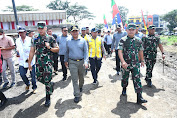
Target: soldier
144, 32
96, 47
43, 46
77, 58
151, 42
128, 50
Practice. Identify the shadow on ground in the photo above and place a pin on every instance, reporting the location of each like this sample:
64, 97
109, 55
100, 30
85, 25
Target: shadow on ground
124, 109
151, 90
114, 78
16, 100
62, 84
90, 87
32, 112
62, 107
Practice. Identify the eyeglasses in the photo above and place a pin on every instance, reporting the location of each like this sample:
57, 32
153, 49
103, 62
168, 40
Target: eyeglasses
65, 30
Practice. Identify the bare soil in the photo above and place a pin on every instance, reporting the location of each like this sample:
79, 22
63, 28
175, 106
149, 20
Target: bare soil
102, 101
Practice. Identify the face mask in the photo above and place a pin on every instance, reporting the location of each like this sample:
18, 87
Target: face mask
1, 36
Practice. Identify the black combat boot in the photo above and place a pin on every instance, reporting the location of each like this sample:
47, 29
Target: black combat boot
47, 102
140, 99
124, 91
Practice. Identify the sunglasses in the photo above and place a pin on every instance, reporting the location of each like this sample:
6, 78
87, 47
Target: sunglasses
65, 30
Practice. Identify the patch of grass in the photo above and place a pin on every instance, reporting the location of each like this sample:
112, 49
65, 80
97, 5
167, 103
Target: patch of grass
169, 40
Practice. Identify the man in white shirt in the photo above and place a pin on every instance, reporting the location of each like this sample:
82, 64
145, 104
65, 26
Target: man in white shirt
108, 40
23, 44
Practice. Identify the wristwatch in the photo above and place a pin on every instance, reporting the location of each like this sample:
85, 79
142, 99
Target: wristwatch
163, 53
50, 48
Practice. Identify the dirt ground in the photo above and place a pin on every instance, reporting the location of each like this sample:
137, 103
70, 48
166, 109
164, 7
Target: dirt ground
102, 101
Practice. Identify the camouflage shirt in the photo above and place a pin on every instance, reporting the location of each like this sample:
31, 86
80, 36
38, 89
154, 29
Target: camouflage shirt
130, 48
150, 44
43, 55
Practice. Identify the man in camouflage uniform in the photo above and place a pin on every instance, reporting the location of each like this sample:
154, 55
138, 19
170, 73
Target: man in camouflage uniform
43, 46
129, 48
150, 43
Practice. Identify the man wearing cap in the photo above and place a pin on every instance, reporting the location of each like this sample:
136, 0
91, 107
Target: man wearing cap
77, 58
95, 49
143, 30
83, 33
116, 38
23, 45
129, 48
43, 46
108, 41
150, 43
55, 55
7, 45
138, 34
61, 40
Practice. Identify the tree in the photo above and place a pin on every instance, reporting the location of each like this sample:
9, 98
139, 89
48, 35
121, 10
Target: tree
77, 12
21, 8
100, 26
123, 13
58, 5
171, 18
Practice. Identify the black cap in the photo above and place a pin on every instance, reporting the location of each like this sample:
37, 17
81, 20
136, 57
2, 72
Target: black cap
74, 27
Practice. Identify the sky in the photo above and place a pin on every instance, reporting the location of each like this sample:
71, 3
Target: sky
101, 7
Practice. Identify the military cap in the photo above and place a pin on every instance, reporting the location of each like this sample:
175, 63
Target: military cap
94, 30
83, 28
41, 24
143, 29
87, 27
21, 29
151, 27
74, 27
131, 26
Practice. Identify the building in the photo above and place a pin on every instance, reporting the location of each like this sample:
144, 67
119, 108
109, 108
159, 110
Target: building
30, 19
136, 20
149, 20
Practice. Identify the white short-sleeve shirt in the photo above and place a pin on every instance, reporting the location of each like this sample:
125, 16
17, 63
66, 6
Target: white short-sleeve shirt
24, 50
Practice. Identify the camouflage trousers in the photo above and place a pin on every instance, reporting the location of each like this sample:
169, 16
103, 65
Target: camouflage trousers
149, 67
44, 75
135, 70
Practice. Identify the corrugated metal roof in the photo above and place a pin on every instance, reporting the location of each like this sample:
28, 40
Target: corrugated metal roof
33, 15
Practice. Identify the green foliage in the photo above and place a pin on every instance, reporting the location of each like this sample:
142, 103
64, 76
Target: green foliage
77, 12
100, 26
123, 13
171, 18
20, 8
169, 40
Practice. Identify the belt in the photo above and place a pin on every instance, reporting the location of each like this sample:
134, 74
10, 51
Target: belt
76, 59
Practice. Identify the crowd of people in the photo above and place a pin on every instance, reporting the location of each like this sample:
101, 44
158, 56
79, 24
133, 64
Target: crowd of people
78, 51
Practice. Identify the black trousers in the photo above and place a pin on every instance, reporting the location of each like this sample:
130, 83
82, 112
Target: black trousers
55, 60
117, 61
2, 96
109, 49
95, 65
64, 69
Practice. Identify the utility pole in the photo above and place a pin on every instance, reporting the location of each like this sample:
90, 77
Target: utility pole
15, 12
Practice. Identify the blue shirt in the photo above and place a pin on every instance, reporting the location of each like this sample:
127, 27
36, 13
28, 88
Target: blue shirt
61, 40
139, 35
116, 38
76, 49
